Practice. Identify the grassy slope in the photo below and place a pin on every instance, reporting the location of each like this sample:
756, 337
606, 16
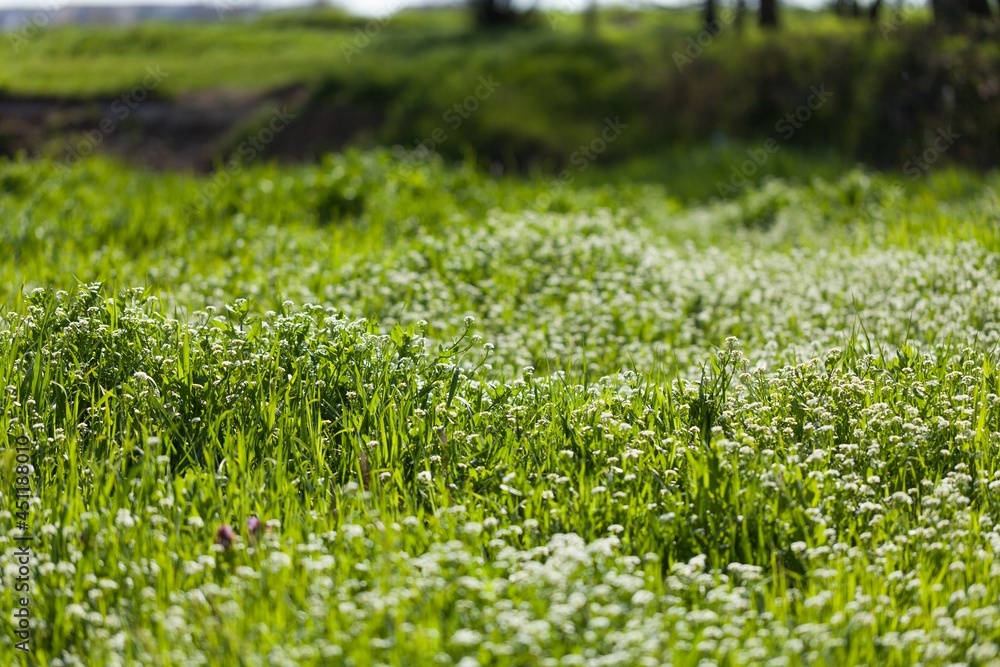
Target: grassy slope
559, 86
823, 490
295, 47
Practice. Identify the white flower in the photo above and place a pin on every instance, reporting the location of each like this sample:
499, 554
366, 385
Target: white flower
124, 519
74, 611
465, 637
642, 597
279, 560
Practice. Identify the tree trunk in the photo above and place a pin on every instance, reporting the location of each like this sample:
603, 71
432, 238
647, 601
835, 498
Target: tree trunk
979, 8
493, 12
947, 13
769, 13
874, 11
710, 14
952, 14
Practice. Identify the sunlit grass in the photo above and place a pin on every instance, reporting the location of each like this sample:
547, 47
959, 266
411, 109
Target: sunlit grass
485, 422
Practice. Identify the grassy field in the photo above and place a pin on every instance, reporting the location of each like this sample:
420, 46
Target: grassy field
311, 47
373, 411
889, 89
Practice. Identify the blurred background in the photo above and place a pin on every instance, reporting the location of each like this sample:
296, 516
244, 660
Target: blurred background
642, 90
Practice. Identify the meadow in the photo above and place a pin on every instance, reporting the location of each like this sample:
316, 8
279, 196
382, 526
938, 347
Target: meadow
397, 412
890, 87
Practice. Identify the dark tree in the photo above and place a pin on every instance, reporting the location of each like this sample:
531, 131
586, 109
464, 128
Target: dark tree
953, 14
769, 13
874, 11
494, 12
946, 12
709, 14
978, 8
